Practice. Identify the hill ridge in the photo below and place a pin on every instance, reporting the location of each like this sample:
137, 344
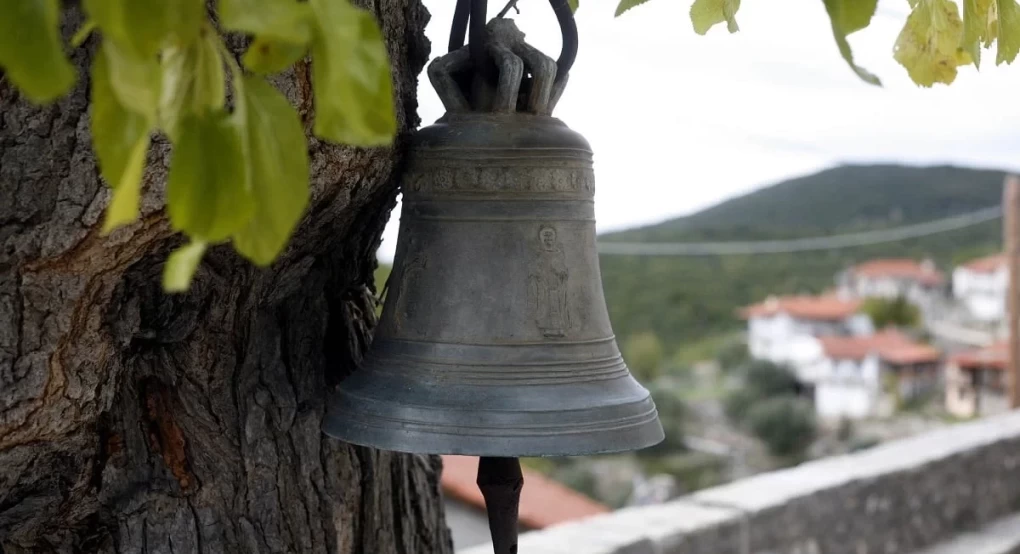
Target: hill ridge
683, 299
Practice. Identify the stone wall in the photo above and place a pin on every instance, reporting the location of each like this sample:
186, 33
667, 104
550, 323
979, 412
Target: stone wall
895, 498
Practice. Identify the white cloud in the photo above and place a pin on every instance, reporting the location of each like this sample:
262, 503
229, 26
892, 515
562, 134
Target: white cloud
679, 121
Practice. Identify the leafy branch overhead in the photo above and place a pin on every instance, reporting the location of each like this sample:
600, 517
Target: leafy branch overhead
239, 171
238, 174
934, 42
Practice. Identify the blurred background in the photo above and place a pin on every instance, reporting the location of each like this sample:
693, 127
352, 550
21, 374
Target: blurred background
764, 356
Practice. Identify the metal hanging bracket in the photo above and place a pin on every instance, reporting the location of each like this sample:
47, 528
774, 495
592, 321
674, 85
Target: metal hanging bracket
497, 71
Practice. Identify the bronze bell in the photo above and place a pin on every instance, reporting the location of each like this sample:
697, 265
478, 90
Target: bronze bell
494, 338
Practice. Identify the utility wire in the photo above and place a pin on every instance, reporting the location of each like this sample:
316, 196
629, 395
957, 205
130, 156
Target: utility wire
831, 242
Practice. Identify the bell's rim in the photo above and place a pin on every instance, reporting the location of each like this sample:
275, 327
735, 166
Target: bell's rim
384, 405
370, 432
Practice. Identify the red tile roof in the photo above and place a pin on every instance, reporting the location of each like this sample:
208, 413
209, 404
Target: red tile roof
825, 308
992, 357
890, 345
988, 264
544, 502
900, 268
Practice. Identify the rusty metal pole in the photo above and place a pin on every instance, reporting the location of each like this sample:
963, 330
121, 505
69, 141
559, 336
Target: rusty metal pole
1011, 241
501, 480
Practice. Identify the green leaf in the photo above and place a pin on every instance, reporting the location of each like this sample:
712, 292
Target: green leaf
351, 76
120, 138
283, 20
1009, 31
705, 14
267, 55
574, 4
135, 79
279, 172
929, 44
31, 52
847, 17
625, 5
181, 266
975, 28
83, 34
144, 27
207, 189
193, 82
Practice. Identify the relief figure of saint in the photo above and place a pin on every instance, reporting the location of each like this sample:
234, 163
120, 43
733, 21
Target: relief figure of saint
547, 285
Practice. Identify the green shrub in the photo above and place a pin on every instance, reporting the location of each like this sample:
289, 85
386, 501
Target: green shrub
897, 312
644, 354
786, 424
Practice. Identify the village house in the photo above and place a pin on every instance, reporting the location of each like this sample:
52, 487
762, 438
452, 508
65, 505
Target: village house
544, 502
976, 382
782, 330
981, 285
917, 281
858, 377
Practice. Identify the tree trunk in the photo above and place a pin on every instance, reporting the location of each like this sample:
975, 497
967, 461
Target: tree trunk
132, 421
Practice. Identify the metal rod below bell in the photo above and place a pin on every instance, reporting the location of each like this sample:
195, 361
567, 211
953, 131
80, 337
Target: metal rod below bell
500, 481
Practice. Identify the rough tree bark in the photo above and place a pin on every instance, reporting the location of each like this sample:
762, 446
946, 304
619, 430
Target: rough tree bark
134, 421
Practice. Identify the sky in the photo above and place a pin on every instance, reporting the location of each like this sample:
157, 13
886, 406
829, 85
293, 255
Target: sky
679, 122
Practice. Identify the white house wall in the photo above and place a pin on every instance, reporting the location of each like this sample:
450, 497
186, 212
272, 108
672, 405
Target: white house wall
983, 293
860, 325
849, 389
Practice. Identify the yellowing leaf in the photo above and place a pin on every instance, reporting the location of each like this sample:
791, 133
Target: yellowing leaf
975, 27
1009, 31
267, 55
181, 266
83, 34
279, 172
123, 208
573, 5
207, 189
283, 20
120, 138
849, 16
135, 80
351, 76
625, 5
929, 44
31, 52
144, 27
707, 13
282, 29
192, 82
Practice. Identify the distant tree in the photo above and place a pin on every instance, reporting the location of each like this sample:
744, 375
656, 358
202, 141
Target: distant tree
786, 424
579, 477
644, 354
691, 470
761, 380
672, 413
737, 402
767, 379
897, 312
732, 354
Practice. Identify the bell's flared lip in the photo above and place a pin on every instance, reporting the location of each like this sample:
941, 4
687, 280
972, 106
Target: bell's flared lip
597, 430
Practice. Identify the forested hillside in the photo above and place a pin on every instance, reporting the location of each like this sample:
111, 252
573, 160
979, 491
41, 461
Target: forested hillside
685, 299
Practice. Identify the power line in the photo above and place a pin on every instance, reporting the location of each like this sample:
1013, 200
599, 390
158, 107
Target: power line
830, 242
